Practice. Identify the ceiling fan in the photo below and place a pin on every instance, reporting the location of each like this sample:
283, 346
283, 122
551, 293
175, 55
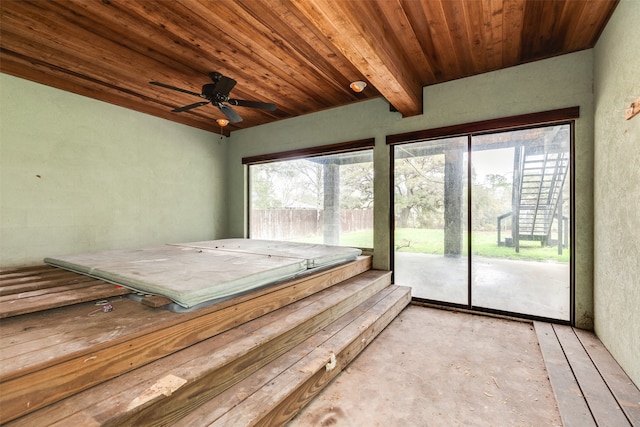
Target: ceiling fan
217, 93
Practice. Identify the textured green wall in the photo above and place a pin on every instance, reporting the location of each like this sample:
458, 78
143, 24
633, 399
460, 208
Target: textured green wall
545, 85
617, 189
78, 175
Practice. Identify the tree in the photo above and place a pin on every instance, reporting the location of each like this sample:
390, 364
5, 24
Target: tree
491, 198
356, 185
419, 191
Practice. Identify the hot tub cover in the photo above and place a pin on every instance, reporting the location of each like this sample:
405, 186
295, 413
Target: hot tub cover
315, 255
192, 274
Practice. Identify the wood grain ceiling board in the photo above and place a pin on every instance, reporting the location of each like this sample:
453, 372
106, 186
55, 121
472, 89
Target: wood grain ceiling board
299, 54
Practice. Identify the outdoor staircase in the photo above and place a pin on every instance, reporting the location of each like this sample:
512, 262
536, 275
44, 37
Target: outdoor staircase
254, 360
542, 175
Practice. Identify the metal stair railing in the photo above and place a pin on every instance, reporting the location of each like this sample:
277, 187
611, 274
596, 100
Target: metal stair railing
542, 176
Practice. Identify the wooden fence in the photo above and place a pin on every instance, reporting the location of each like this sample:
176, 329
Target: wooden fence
295, 223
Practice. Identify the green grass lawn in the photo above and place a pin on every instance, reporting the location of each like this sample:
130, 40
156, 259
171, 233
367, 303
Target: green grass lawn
357, 239
483, 244
432, 242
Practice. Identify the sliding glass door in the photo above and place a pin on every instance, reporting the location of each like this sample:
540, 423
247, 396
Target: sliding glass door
520, 226
430, 238
511, 191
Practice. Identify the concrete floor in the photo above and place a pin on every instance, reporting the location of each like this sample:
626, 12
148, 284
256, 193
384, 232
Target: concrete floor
526, 287
433, 367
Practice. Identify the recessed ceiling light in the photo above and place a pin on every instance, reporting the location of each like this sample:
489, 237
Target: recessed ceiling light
358, 86
222, 122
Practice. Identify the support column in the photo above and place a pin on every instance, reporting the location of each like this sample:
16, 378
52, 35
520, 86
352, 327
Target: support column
453, 185
331, 203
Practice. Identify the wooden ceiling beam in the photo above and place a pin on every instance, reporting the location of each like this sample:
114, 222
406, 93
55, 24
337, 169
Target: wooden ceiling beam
383, 66
396, 19
301, 37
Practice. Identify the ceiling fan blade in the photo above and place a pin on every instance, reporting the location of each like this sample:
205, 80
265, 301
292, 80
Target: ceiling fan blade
230, 113
253, 104
189, 107
176, 88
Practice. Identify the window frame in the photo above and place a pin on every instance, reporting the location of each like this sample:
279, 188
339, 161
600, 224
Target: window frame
301, 153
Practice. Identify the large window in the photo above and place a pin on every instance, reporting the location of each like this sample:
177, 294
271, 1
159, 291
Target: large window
321, 196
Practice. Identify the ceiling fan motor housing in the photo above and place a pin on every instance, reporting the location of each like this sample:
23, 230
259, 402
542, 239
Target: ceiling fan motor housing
209, 92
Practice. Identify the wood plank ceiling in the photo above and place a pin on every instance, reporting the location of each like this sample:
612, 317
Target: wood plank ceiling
299, 54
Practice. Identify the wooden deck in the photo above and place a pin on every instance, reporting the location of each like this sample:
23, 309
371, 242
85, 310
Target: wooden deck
253, 360
76, 364
590, 387
36, 288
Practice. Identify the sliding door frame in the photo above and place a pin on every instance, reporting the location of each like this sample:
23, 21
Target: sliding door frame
565, 116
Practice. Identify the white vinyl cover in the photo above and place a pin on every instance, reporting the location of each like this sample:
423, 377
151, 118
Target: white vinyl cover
194, 273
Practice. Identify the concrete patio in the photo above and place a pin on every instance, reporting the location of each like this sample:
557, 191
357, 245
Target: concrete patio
526, 287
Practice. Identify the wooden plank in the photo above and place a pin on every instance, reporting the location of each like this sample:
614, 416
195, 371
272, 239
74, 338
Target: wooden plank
31, 379
7, 280
444, 46
571, 403
51, 288
209, 367
32, 283
512, 31
479, 53
603, 406
493, 12
51, 273
299, 32
59, 297
281, 399
625, 392
455, 19
230, 398
22, 270
155, 301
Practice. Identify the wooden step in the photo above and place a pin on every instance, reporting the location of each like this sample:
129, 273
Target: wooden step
590, 387
276, 393
50, 355
170, 387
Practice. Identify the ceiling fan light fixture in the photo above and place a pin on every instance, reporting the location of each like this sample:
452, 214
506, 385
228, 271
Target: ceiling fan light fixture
222, 122
358, 86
